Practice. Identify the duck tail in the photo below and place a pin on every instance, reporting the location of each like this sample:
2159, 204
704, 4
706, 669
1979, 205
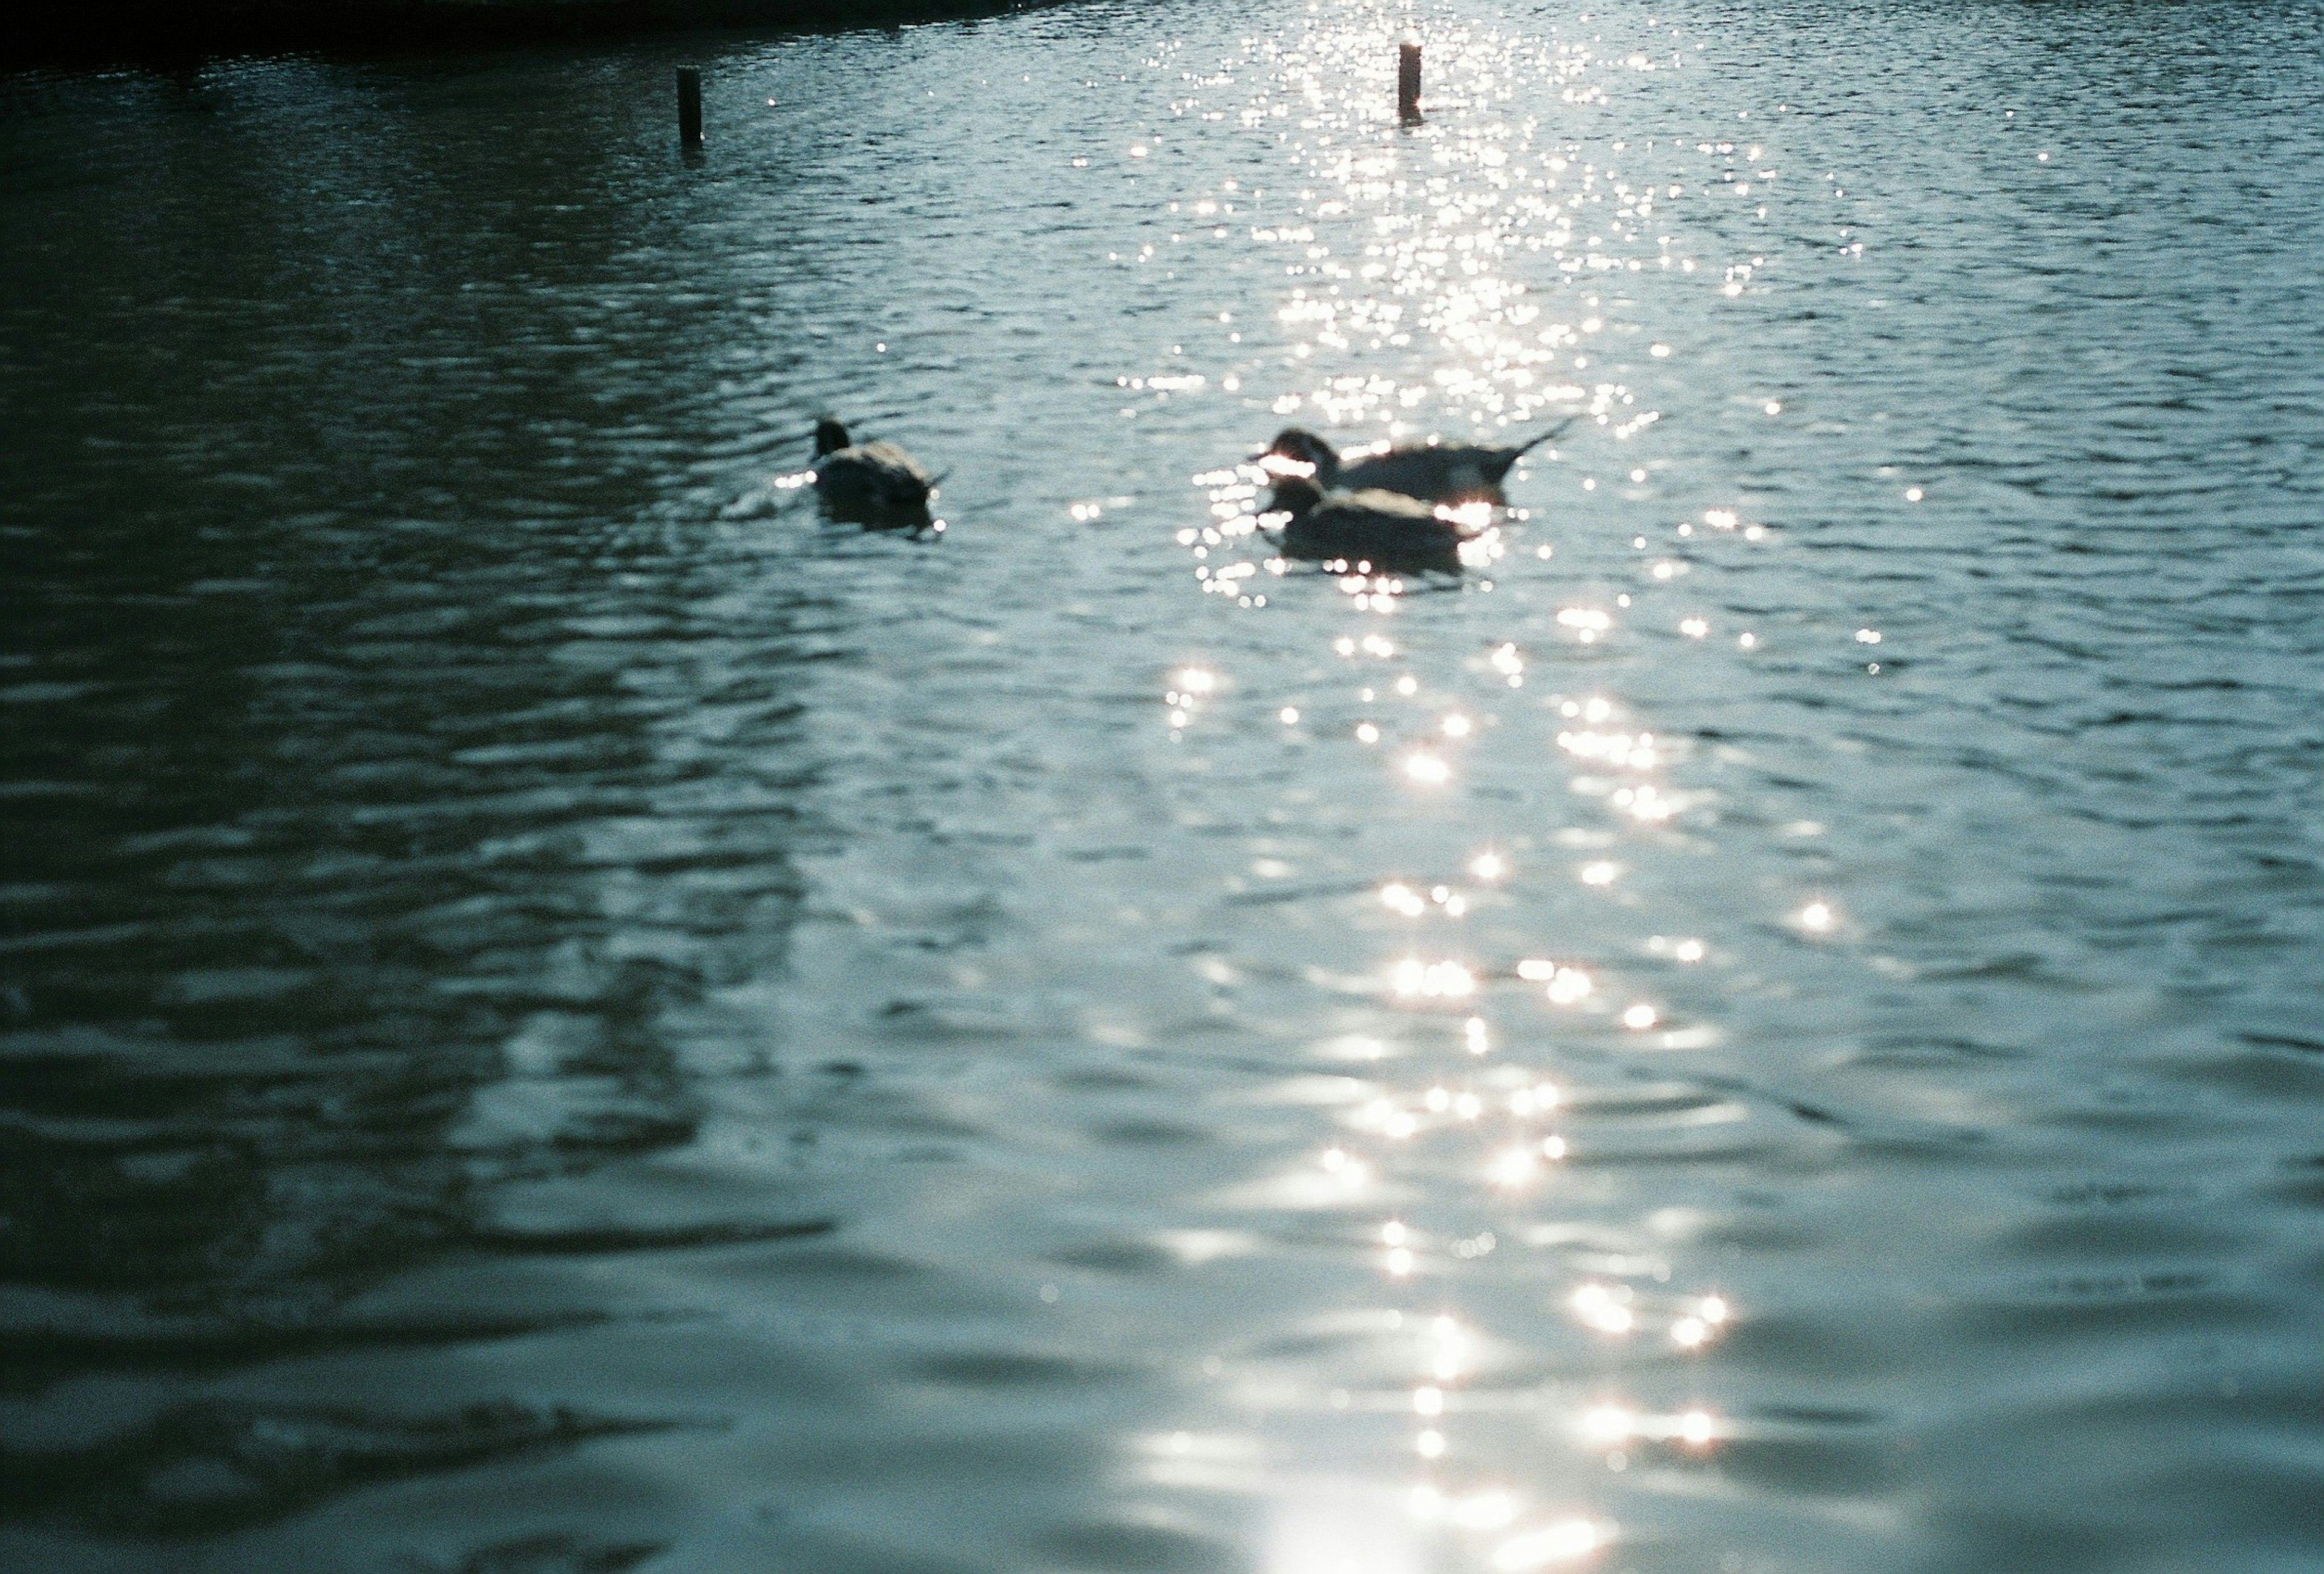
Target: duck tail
1551, 435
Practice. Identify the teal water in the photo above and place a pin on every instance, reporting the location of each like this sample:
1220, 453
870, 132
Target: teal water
563, 1012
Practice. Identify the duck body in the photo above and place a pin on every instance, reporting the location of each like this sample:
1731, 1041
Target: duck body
875, 483
1388, 530
1446, 472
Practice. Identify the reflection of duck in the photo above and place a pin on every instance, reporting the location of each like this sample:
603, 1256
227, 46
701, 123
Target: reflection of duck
874, 484
1434, 473
1384, 530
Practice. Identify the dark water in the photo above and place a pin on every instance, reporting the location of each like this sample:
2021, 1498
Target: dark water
563, 1014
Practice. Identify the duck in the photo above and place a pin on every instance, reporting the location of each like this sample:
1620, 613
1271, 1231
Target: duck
875, 483
1371, 530
1431, 472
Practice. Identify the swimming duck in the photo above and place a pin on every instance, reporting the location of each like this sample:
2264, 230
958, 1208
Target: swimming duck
875, 483
1386, 530
1434, 473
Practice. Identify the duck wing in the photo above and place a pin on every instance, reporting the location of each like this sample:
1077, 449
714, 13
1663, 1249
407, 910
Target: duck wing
892, 457
1445, 472
872, 476
1385, 528
1449, 473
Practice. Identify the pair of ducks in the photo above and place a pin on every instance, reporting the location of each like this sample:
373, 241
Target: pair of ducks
1392, 508
1396, 508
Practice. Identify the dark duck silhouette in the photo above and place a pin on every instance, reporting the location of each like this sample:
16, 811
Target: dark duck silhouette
1371, 530
875, 483
1431, 472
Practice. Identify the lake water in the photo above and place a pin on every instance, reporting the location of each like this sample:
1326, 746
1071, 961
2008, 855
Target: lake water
563, 1012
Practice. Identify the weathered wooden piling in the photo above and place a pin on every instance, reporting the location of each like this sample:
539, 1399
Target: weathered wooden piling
689, 107
1407, 79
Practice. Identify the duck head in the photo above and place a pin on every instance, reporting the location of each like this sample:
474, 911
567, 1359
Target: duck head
1301, 447
1295, 495
830, 437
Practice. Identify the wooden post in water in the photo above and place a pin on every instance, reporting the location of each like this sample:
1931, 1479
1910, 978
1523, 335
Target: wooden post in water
1407, 78
689, 107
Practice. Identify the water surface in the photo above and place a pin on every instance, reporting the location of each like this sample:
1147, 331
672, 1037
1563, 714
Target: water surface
563, 1012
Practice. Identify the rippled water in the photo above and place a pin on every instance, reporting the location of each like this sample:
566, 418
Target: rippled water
564, 1014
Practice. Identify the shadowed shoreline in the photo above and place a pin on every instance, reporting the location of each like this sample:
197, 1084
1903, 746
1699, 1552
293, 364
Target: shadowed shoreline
53, 33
